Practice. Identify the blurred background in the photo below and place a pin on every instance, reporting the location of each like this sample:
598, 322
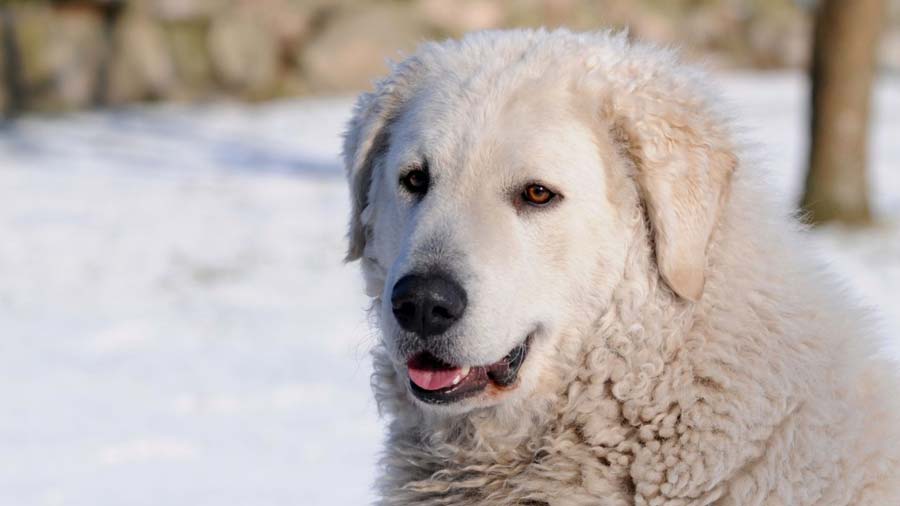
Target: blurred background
76, 54
176, 325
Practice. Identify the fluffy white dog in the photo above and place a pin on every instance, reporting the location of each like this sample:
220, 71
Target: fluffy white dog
586, 298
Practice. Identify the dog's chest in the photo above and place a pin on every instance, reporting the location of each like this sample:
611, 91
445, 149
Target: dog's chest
563, 470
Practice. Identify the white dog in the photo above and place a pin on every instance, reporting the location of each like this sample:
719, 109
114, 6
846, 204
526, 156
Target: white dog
586, 299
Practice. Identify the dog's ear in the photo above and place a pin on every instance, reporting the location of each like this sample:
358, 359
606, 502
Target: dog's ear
683, 162
366, 141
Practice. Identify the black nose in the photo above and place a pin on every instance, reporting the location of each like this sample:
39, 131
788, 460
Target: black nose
427, 305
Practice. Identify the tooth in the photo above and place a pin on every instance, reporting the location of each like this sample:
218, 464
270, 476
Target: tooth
464, 372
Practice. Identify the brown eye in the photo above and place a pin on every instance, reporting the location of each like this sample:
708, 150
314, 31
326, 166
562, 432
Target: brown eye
415, 181
537, 195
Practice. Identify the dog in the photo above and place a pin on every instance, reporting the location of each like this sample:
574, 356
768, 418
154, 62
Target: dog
586, 296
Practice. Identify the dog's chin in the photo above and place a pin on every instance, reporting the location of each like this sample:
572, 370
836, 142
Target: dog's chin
438, 384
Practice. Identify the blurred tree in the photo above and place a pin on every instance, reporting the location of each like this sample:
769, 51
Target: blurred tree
843, 68
12, 65
111, 12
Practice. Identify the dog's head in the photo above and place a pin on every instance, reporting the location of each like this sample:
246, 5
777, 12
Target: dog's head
497, 183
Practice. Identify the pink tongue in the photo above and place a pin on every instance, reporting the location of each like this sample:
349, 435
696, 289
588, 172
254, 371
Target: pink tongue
433, 379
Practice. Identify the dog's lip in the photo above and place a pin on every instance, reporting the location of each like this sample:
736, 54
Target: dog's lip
466, 381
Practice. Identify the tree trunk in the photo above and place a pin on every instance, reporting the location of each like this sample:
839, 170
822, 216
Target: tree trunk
110, 11
843, 67
12, 64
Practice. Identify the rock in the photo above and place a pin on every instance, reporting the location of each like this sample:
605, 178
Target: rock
778, 42
80, 48
244, 51
289, 20
889, 51
61, 51
354, 46
187, 42
457, 18
143, 67
184, 10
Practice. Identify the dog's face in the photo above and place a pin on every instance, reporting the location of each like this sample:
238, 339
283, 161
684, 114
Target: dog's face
494, 222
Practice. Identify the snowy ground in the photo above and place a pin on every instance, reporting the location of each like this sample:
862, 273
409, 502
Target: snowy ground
176, 326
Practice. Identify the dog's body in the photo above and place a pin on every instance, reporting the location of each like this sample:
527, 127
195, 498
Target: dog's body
680, 348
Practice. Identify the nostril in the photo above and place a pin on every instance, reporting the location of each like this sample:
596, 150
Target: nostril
441, 312
405, 310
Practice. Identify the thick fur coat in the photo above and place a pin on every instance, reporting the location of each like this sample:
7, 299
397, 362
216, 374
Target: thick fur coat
704, 358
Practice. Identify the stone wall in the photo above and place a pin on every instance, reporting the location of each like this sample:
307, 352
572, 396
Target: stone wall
63, 55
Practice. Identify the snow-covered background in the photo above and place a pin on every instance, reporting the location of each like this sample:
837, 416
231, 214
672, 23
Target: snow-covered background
176, 325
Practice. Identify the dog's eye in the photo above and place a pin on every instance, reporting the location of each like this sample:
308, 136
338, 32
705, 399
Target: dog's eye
537, 195
415, 181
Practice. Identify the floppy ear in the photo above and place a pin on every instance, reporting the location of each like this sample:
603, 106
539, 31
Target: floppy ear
366, 140
683, 159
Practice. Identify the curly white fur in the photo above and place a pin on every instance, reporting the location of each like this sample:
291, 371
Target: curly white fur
765, 391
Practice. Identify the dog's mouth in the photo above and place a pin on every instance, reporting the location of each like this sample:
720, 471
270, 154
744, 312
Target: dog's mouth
433, 381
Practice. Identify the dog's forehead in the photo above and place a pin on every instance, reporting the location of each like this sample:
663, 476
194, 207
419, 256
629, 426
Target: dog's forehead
509, 129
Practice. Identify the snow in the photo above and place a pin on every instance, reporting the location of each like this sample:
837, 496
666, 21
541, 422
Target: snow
176, 325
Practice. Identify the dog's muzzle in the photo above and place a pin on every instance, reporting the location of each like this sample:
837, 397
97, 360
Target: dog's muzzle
434, 381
